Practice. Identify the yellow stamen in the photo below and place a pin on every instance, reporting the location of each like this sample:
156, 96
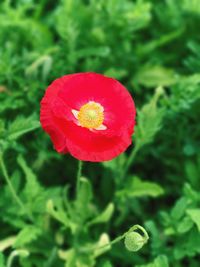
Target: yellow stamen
91, 115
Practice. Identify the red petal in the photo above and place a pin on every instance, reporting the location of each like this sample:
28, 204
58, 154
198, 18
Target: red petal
57, 136
86, 145
114, 97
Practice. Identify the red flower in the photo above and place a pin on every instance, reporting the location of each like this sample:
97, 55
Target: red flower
88, 115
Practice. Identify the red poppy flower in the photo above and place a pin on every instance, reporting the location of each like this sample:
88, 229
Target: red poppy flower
88, 115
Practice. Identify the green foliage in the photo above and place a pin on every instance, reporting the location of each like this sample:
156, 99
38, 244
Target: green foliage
195, 216
105, 216
26, 235
135, 187
160, 261
151, 76
21, 126
149, 121
32, 187
153, 48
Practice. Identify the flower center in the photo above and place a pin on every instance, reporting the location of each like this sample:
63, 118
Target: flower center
91, 115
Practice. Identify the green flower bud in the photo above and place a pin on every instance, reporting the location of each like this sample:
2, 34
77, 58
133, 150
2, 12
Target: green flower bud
134, 241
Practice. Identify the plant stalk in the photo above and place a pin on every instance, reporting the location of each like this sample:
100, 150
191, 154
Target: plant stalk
10, 186
79, 173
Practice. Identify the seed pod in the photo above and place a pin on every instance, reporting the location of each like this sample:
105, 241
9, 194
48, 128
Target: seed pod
134, 241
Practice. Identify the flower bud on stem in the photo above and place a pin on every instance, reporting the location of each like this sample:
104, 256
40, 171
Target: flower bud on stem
133, 240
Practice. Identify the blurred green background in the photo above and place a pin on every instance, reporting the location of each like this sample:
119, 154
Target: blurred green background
153, 48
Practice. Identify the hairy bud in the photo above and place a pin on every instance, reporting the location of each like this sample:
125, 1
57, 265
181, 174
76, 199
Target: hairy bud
134, 241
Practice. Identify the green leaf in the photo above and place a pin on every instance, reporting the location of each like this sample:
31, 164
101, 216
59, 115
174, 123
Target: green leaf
149, 121
84, 197
2, 128
185, 93
96, 51
57, 212
179, 209
185, 225
27, 235
195, 216
190, 193
117, 73
102, 245
192, 172
160, 261
136, 187
138, 14
104, 216
44, 61
106, 264
32, 187
21, 126
153, 76
192, 6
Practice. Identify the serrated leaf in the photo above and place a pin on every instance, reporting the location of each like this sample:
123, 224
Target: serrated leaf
149, 121
57, 212
27, 235
104, 216
138, 188
21, 126
32, 187
152, 76
195, 216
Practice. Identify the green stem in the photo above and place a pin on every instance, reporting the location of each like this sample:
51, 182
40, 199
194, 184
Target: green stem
116, 240
79, 173
10, 186
16, 253
40, 8
51, 260
130, 161
10, 260
78, 178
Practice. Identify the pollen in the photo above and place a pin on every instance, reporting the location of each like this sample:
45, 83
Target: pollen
91, 115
